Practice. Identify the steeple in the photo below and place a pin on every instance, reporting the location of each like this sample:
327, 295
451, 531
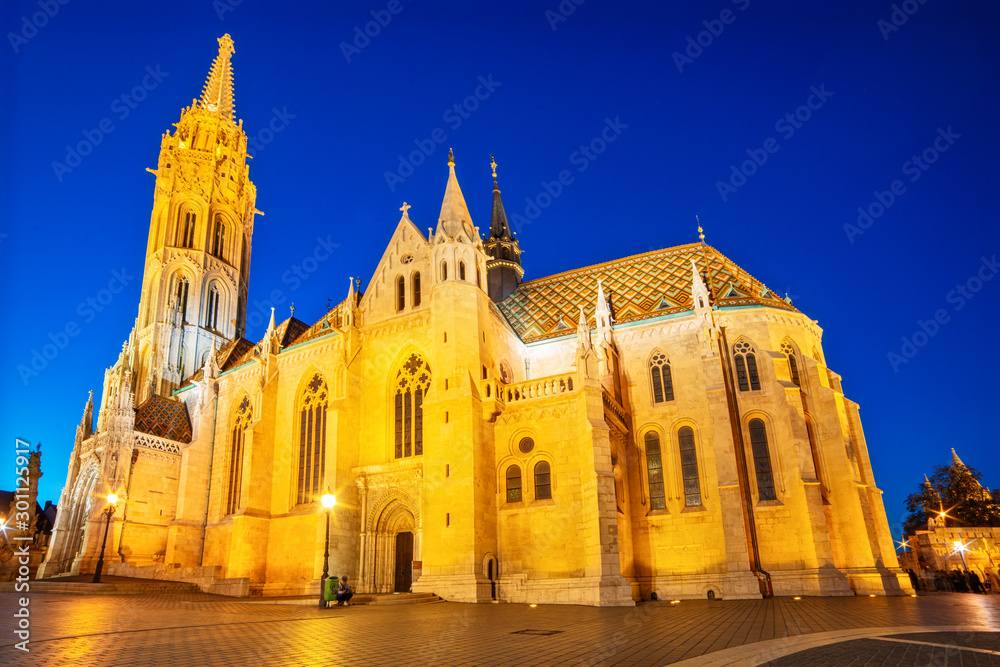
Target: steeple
455, 220
196, 277
217, 95
955, 461
503, 269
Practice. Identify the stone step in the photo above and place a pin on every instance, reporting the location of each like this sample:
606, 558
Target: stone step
359, 599
109, 588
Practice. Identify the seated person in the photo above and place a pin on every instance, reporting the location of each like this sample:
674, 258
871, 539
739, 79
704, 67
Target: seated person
344, 592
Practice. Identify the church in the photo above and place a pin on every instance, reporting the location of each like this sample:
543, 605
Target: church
661, 425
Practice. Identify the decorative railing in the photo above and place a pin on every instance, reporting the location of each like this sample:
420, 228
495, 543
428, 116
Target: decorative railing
612, 405
493, 388
148, 441
541, 388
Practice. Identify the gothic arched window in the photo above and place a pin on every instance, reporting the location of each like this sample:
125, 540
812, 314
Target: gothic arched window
185, 230
312, 439
746, 367
479, 277
654, 469
444, 271
416, 289
663, 383
182, 296
412, 383
219, 237
762, 460
689, 466
514, 484
212, 308
543, 481
793, 367
461, 270
244, 415
400, 293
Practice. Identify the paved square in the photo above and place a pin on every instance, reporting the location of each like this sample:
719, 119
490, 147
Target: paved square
184, 630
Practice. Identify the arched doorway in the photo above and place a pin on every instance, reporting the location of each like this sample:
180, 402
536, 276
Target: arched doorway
492, 571
393, 549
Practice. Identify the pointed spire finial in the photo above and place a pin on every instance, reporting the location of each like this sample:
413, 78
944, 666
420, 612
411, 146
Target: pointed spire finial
493, 163
404, 208
701, 232
270, 325
451, 158
217, 95
955, 461
292, 308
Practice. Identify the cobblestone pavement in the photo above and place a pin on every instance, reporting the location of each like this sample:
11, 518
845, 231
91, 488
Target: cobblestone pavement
184, 630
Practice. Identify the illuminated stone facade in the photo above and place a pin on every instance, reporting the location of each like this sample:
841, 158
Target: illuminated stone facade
662, 423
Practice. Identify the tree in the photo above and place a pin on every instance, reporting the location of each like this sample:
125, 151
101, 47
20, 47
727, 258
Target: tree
958, 490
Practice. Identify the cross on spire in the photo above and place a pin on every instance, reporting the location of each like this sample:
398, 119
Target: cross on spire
404, 208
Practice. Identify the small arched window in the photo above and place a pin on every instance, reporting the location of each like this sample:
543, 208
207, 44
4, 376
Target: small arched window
689, 466
416, 289
444, 270
793, 367
182, 296
662, 381
479, 277
654, 469
219, 238
513, 484
400, 293
746, 367
543, 481
212, 308
242, 419
505, 252
762, 460
461, 270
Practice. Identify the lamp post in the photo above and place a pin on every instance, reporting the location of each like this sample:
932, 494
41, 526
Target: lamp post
328, 500
112, 505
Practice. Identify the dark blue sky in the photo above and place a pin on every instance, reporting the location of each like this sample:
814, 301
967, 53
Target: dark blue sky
886, 95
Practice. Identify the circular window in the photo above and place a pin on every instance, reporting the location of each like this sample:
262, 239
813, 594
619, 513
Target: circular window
406, 259
526, 445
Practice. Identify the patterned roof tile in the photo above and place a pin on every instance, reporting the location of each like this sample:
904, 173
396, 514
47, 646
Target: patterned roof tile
639, 287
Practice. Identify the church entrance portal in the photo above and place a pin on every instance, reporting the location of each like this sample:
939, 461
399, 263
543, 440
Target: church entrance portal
404, 562
389, 548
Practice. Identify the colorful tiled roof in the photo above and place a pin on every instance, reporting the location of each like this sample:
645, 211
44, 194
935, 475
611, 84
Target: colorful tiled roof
163, 418
639, 287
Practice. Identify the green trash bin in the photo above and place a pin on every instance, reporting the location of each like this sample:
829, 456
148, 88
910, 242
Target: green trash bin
330, 589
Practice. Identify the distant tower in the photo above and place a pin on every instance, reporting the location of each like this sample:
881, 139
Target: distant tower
503, 269
194, 288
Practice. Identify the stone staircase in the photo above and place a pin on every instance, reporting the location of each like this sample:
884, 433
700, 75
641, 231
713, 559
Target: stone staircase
358, 599
108, 586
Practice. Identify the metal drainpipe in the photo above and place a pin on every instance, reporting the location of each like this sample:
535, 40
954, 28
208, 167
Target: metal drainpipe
128, 495
208, 484
741, 460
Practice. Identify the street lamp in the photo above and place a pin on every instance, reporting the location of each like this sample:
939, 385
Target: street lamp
328, 500
112, 506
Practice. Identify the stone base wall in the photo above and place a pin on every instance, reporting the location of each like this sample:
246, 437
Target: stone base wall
592, 591
873, 581
208, 579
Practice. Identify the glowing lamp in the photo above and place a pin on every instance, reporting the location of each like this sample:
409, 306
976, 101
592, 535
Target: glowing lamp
328, 500
112, 498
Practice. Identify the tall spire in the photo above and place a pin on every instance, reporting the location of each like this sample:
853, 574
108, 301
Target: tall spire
503, 269
499, 227
955, 461
217, 94
455, 217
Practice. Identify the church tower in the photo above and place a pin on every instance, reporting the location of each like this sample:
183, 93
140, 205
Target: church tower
194, 289
503, 270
